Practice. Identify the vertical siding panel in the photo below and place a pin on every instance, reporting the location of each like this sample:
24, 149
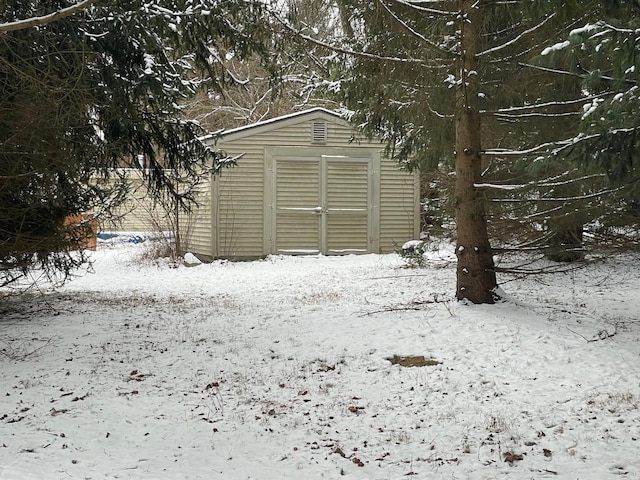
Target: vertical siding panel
397, 206
240, 201
195, 227
140, 212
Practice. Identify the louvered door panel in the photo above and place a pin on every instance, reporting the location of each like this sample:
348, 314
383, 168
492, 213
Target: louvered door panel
347, 206
297, 202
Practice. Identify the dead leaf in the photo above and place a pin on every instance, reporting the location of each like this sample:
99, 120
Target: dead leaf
510, 457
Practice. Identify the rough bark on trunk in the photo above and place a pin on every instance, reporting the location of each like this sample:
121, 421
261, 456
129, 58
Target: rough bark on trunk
476, 279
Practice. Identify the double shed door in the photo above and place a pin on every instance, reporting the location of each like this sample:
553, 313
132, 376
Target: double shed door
321, 204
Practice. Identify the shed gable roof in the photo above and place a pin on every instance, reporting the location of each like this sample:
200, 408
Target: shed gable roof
278, 122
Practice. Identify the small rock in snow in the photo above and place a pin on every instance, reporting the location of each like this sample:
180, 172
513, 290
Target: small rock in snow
190, 260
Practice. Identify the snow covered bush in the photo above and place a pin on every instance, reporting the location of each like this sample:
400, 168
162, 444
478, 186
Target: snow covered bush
413, 253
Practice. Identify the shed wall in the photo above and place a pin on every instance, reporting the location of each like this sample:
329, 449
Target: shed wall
139, 213
235, 219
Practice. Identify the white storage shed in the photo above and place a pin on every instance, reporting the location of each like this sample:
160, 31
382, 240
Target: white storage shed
303, 186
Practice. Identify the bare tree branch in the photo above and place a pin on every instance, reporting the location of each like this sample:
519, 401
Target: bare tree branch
544, 183
418, 6
46, 19
17, 175
505, 116
534, 106
578, 75
601, 335
559, 199
345, 51
514, 40
559, 145
414, 32
552, 70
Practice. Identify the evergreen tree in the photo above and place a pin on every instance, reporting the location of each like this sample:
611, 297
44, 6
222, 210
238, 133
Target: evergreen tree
476, 84
610, 126
589, 160
90, 88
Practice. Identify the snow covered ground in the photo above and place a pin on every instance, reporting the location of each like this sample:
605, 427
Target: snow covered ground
279, 369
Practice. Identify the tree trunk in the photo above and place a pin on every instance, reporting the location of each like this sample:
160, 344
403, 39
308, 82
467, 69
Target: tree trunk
476, 278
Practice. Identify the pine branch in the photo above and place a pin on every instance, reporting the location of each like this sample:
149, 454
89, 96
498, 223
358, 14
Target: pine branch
516, 39
576, 75
544, 213
46, 19
417, 5
542, 184
528, 246
548, 270
554, 103
505, 116
560, 199
560, 144
620, 30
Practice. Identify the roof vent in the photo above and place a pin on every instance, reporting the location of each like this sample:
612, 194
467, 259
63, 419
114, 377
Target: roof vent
319, 132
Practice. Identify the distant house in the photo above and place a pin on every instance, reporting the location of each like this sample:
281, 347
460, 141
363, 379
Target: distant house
302, 187
140, 213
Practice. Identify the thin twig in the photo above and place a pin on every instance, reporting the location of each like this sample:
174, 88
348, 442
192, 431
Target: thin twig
602, 335
416, 305
46, 19
21, 353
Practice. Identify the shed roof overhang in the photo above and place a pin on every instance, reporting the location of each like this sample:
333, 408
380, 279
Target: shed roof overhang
222, 136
